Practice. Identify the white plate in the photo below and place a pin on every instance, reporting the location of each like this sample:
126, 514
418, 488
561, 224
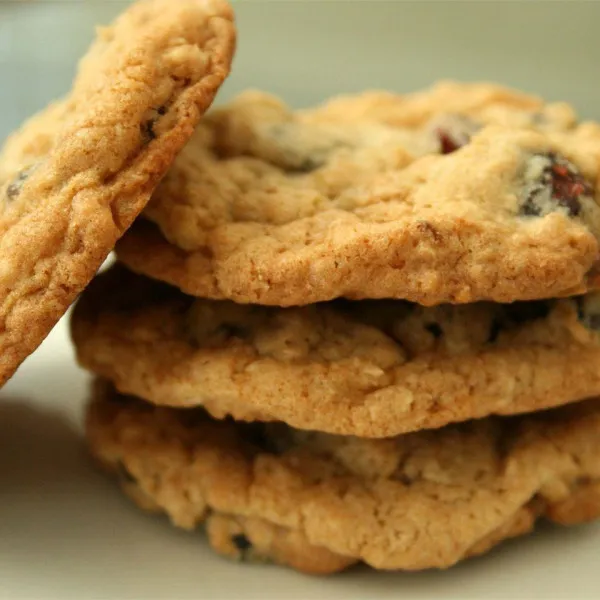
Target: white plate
65, 530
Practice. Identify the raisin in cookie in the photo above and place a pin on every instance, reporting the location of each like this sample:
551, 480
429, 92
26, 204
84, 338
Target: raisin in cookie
457, 194
319, 502
77, 174
371, 368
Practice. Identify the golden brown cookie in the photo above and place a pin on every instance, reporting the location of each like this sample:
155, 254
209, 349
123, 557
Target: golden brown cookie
457, 194
320, 503
373, 369
76, 175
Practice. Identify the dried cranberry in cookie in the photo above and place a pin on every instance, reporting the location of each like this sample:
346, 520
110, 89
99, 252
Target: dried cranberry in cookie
453, 131
554, 183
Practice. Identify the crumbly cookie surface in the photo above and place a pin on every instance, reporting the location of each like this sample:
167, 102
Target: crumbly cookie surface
371, 368
78, 173
457, 194
320, 503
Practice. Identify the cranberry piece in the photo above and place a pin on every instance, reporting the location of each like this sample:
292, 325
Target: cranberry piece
554, 183
453, 131
447, 144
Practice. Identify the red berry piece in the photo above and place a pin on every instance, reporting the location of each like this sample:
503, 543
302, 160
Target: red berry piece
554, 183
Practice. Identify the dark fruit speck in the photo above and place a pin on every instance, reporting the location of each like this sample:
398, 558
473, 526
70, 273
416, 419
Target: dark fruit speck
147, 129
241, 542
14, 188
454, 131
447, 144
556, 183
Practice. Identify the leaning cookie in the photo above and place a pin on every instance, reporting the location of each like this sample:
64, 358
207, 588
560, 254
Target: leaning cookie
76, 175
319, 502
372, 369
494, 200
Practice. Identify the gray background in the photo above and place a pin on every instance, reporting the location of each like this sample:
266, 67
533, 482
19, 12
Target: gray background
306, 51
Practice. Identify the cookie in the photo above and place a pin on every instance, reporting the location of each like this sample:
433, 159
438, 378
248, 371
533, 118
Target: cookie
319, 502
458, 194
371, 368
76, 175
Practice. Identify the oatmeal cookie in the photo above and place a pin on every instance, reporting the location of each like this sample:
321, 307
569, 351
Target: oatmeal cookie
458, 194
76, 175
320, 503
370, 368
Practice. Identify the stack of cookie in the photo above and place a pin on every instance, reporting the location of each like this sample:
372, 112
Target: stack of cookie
361, 332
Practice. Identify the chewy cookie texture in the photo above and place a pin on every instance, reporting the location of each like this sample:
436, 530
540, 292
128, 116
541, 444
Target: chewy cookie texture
320, 503
76, 175
461, 193
370, 368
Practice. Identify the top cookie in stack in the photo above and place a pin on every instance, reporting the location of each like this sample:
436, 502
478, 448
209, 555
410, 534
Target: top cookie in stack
457, 194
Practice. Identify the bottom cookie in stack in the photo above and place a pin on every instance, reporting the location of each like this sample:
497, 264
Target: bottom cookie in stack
320, 502
344, 432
